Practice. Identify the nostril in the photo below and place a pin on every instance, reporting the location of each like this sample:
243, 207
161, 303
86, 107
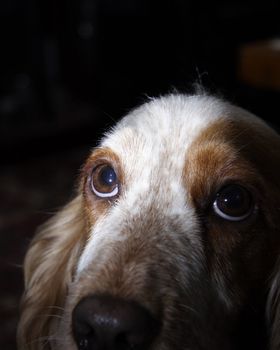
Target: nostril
109, 323
84, 336
83, 343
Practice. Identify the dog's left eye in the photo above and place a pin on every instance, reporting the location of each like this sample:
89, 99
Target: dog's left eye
233, 203
104, 181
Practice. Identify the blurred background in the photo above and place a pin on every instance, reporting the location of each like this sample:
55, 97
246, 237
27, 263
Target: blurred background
70, 69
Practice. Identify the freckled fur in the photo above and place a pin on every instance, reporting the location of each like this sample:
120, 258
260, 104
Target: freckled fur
159, 243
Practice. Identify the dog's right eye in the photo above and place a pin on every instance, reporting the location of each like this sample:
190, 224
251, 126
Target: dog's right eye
234, 203
104, 181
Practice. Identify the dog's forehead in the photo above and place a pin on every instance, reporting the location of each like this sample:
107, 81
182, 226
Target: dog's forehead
158, 134
170, 121
154, 142
151, 144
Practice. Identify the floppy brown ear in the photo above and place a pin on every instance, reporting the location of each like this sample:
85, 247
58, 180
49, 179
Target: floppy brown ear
274, 309
273, 304
48, 270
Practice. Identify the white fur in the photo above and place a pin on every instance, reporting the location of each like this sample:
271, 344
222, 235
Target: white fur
169, 260
151, 143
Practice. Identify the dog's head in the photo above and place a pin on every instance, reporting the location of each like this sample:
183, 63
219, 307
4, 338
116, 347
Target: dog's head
172, 241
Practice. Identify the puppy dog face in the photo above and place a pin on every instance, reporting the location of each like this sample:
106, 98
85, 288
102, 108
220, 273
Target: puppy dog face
176, 221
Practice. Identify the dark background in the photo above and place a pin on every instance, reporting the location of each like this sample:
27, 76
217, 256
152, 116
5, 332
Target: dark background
69, 69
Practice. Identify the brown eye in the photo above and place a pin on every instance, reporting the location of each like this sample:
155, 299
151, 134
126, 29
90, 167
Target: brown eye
104, 181
233, 203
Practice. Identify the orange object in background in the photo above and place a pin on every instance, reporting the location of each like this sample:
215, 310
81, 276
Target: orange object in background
259, 64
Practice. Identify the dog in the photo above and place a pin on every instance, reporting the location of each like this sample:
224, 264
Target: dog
172, 241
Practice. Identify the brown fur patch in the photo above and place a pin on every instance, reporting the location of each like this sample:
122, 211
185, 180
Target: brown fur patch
231, 151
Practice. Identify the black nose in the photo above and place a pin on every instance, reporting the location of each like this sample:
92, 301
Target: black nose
109, 323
